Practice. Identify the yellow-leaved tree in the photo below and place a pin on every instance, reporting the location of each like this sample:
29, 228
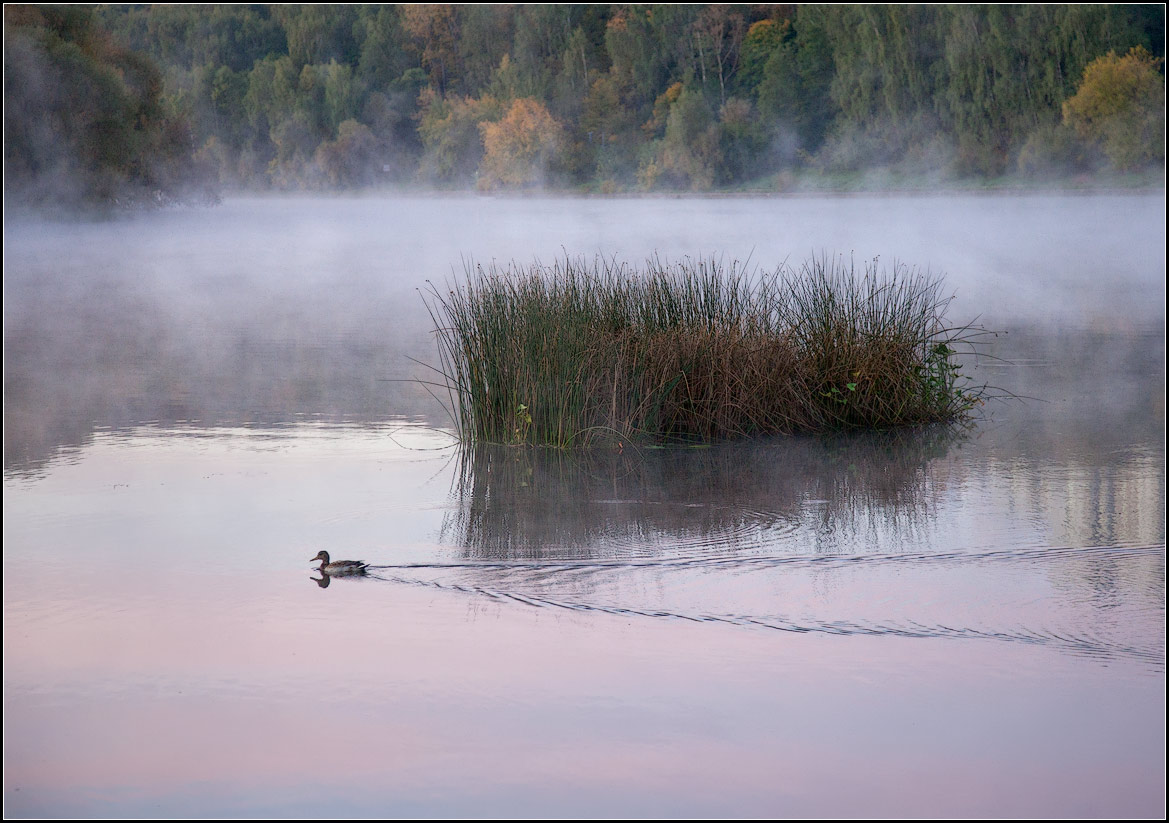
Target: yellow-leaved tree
1120, 107
450, 130
520, 148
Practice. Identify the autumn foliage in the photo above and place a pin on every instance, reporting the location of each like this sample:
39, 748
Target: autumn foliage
520, 149
607, 97
1120, 106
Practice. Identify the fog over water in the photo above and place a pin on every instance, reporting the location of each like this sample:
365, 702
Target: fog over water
266, 310
915, 623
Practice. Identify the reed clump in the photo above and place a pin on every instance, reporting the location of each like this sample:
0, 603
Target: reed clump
576, 351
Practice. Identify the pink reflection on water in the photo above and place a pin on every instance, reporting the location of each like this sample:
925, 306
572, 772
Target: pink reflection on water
413, 694
167, 654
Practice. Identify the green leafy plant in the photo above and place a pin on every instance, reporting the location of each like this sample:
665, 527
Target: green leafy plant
523, 423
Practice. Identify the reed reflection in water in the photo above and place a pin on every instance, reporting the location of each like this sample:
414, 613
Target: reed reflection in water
520, 503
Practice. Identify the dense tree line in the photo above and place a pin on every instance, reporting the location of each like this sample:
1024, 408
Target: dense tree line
85, 118
665, 96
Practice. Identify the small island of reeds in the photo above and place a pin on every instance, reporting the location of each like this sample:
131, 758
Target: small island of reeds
580, 352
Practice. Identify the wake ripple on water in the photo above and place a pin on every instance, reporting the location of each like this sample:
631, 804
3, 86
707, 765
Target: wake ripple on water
553, 584
1015, 554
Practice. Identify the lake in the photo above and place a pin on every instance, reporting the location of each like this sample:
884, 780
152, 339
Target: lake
938, 622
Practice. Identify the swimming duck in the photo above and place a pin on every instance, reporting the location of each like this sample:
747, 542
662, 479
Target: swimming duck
338, 566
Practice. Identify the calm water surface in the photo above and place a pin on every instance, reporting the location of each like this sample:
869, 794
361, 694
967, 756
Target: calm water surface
914, 623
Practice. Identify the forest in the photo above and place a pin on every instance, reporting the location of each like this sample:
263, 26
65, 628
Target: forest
170, 101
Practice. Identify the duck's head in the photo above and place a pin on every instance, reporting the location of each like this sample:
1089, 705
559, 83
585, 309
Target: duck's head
321, 555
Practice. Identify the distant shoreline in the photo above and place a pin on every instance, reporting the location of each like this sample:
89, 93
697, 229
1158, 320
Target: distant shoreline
15, 208
520, 194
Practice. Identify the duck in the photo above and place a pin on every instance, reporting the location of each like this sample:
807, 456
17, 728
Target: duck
338, 566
